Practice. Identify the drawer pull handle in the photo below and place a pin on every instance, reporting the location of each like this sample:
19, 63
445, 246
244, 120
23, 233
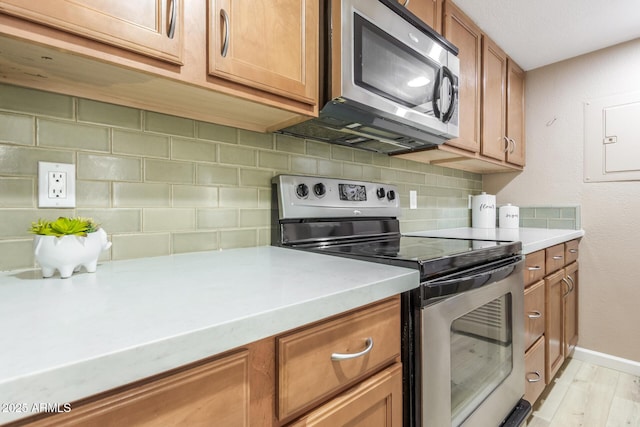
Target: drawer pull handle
534, 268
347, 356
534, 314
573, 251
572, 284
557, 257
534, 380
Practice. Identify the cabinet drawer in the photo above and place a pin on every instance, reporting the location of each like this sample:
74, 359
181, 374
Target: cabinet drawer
534, 368
534, 268
534, 313
571, 251
307, 370
376, 402
554, 259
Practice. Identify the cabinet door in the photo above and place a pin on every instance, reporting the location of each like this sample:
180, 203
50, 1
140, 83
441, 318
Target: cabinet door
534, 368
430, 11
494, 100
515, 113
149, 27
376, 402
554, 351
270, 45
571, 309
464, 34
534, 309
217, 390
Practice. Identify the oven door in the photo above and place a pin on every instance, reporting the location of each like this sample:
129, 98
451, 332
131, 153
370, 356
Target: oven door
472, 351
394, 68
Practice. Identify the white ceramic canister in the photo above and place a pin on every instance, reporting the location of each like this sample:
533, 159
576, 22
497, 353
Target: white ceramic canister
483, 210
509, 216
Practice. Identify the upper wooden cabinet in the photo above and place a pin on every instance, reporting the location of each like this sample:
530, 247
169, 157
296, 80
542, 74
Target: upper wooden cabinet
502, 106
494, 101
270, 45
467, 37
430, 11
491, 103
149, 27
119, 52
515, 114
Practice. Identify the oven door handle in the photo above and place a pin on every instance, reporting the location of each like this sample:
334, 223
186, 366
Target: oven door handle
466, 281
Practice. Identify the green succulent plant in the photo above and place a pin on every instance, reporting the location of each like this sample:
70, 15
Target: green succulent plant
62, 226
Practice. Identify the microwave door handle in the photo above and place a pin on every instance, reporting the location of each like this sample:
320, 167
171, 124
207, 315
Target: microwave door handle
436, 94
453, 94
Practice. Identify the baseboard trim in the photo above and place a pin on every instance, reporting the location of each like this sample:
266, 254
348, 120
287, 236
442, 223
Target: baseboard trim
607, 360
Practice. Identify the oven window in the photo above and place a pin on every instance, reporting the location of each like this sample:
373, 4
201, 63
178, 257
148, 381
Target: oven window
387, 67
481, 355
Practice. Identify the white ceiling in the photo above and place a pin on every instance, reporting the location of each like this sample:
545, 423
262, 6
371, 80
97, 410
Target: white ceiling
540, 32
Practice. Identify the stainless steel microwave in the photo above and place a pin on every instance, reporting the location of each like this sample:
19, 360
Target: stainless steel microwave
389, 82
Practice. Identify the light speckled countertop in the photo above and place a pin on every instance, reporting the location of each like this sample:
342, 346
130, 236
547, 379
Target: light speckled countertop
533, 239
65, 339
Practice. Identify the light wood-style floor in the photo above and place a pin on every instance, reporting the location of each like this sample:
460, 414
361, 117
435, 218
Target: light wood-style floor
588, 395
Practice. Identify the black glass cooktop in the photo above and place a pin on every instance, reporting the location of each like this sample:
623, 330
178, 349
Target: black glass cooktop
433, 256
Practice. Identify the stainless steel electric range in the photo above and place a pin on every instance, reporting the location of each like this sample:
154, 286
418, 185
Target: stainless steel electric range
462, 326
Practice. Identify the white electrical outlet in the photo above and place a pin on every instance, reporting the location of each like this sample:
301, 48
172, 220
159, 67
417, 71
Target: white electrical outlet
56, 185
413, 199
57, 182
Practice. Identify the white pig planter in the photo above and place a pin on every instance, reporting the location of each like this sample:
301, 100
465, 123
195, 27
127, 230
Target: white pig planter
68, 252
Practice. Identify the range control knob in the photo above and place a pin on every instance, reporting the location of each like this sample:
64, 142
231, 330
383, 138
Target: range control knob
319, 189
302, 191
380, 193
391, 195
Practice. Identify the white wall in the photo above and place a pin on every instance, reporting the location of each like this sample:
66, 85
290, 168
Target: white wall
609, 295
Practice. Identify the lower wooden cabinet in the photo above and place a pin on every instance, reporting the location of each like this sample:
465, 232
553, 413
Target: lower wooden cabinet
571, 308
554, 352
214, 393
376, 402
327, 373
334, 354
535, 379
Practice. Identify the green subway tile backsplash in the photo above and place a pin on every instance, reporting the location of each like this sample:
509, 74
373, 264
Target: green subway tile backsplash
60, 134
171, 125
558, 217
36, 102
16, 192
140, 144
108, 114
17, 129
161, 184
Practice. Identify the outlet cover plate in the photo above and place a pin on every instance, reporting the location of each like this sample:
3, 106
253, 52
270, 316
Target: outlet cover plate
45, 170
